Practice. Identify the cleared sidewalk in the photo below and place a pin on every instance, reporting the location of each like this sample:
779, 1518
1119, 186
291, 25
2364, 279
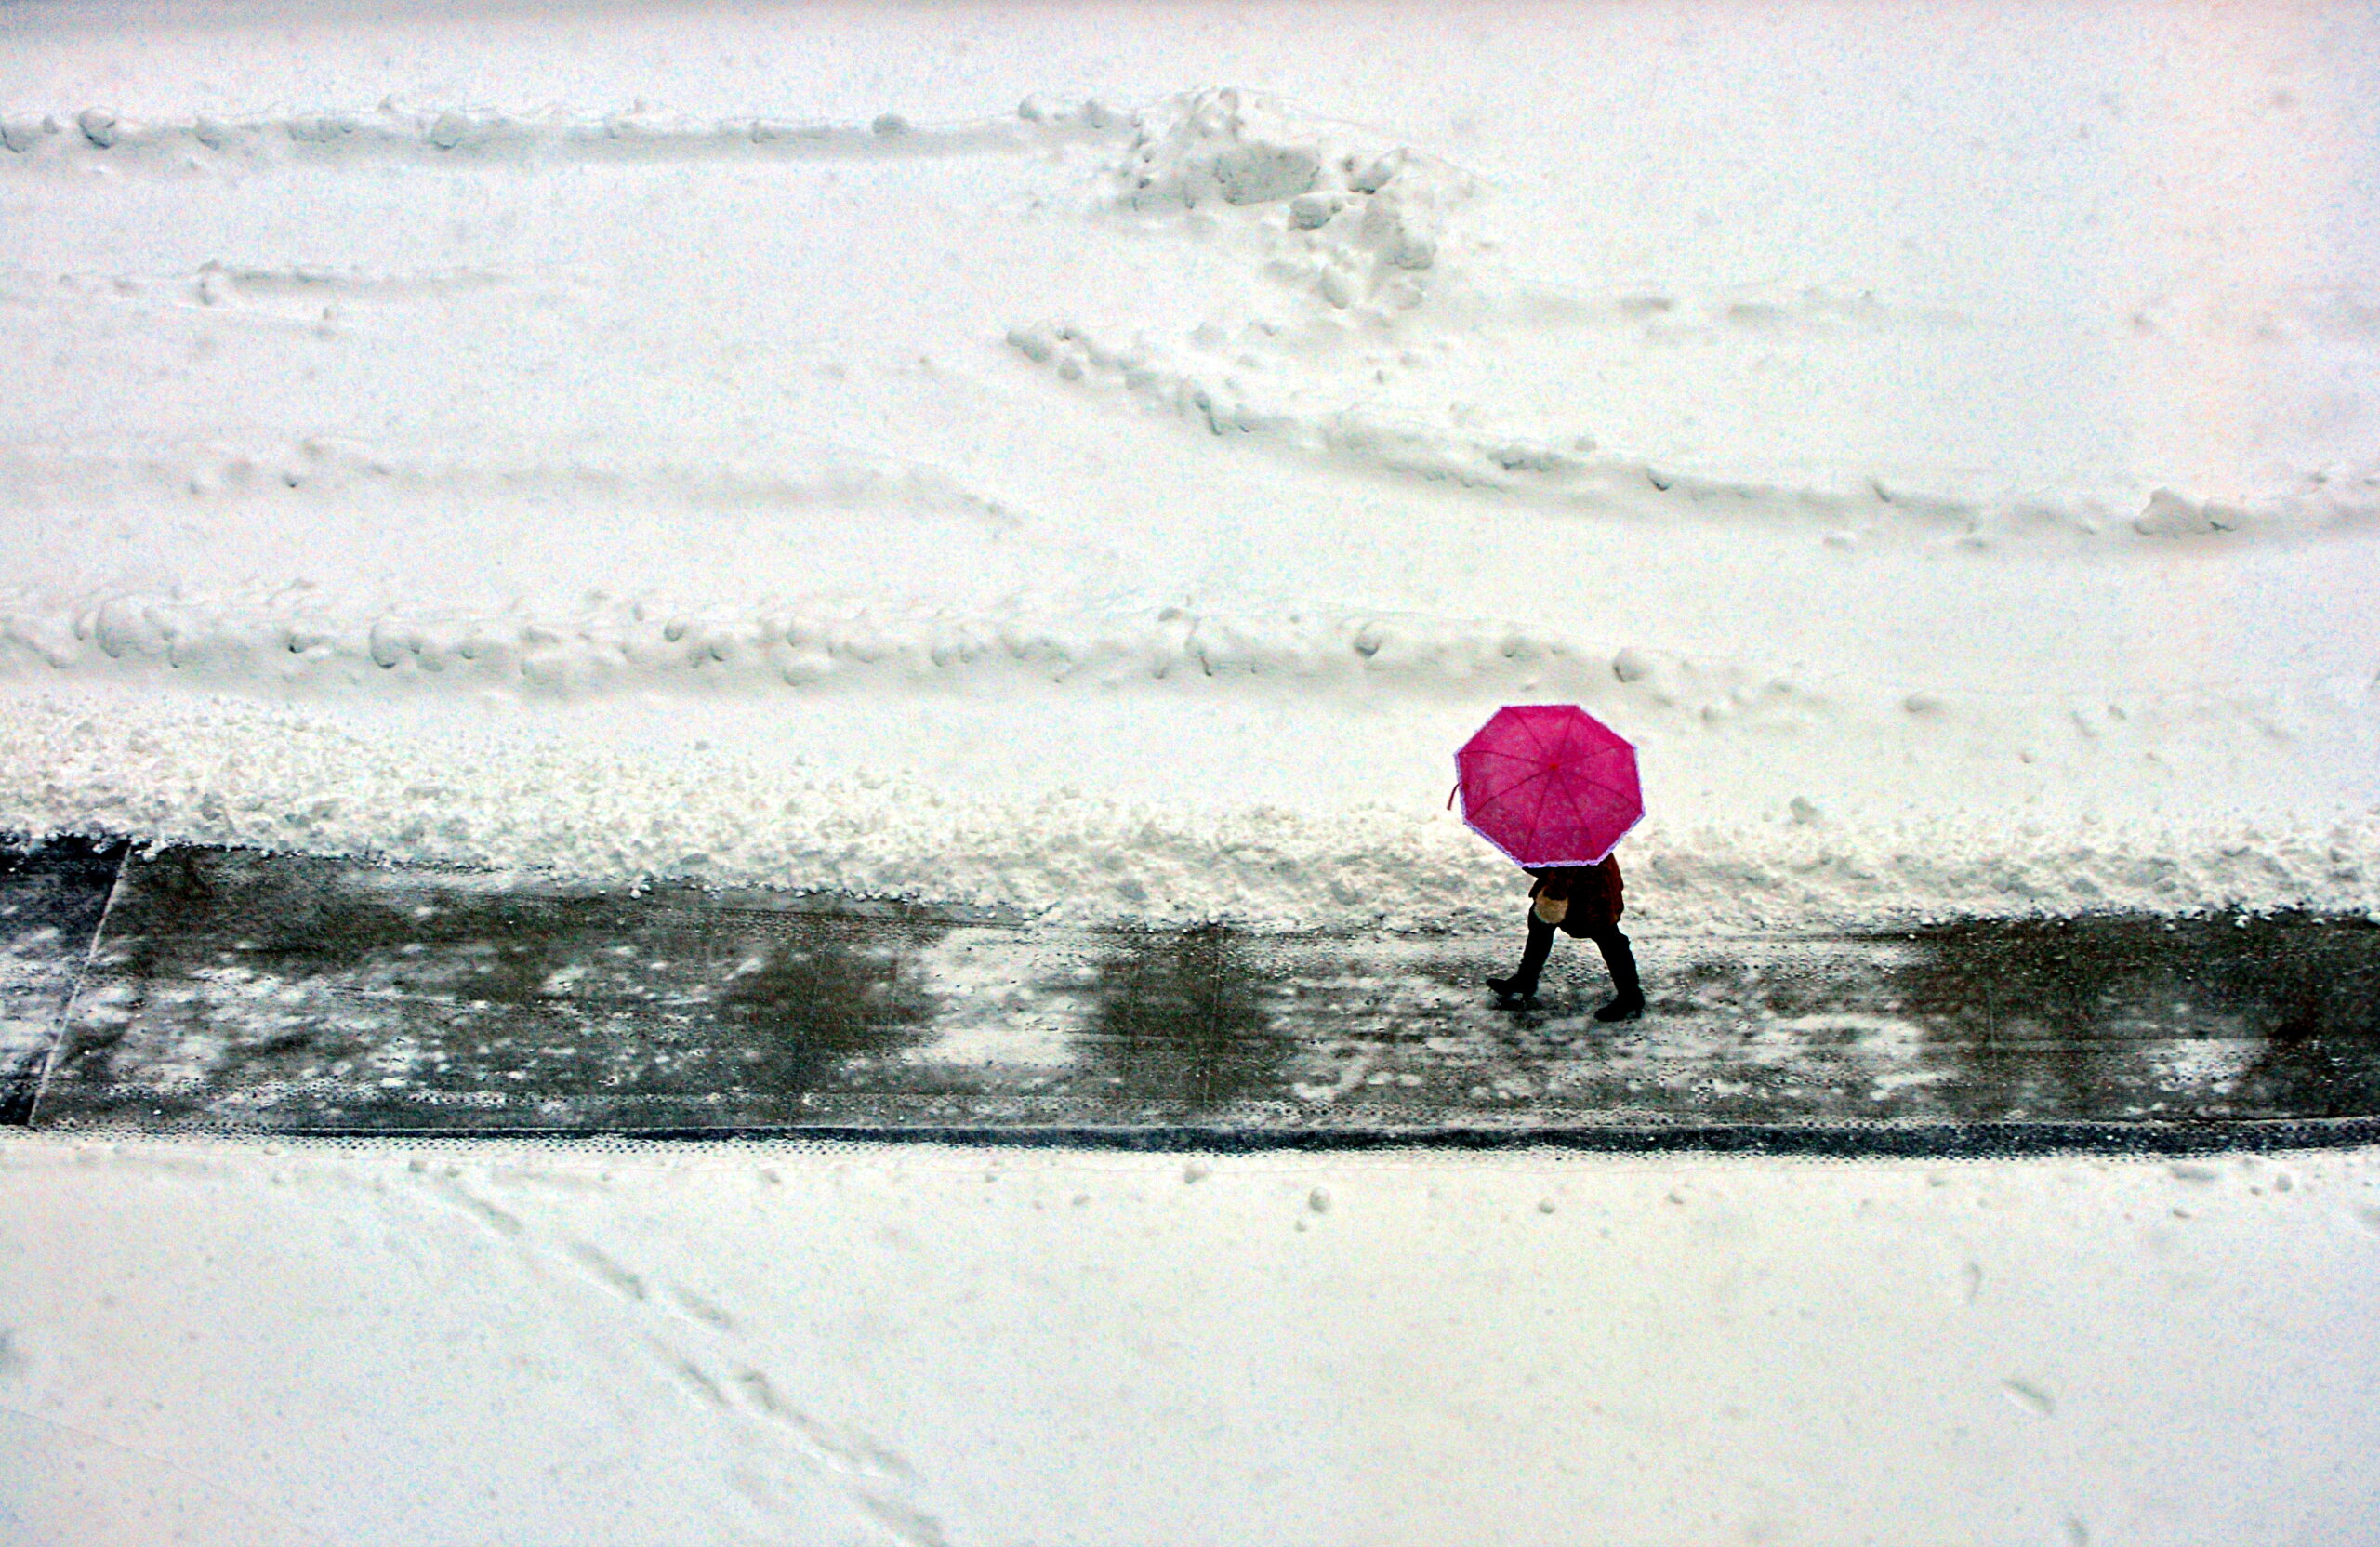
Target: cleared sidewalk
231, 990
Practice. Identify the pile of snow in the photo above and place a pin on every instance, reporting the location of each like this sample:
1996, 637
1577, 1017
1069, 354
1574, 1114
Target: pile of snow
1359, 220
613, 791
1352, 232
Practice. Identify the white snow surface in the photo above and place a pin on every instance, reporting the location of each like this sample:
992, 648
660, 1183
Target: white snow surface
1101, 462
473, 1342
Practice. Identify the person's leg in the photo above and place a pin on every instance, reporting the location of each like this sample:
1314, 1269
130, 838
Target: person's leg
1628, 993
1523, 982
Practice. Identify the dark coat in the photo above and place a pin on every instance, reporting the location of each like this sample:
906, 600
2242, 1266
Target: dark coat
1592, 892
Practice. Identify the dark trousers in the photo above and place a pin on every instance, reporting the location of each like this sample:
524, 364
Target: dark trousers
1617, 956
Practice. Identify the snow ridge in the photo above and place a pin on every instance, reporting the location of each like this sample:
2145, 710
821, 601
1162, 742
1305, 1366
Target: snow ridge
305, 781
1377, 260
1566, 476
393, 131
297, 639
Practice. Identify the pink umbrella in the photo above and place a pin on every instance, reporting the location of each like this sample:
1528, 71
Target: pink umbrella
1549, 784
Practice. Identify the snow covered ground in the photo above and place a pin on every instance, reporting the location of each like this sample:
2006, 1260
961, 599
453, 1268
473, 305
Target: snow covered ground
494, 1344
1103, 461
1100, 461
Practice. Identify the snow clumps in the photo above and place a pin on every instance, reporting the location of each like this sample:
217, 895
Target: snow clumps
1318, 330
1361, 221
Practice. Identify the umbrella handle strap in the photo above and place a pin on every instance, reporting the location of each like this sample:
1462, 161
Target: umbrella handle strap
1452, 793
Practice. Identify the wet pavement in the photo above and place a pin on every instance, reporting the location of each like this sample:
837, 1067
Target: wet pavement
51, 897
231, 990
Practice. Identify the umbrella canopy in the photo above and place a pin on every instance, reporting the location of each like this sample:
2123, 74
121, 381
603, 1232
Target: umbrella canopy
1549, 784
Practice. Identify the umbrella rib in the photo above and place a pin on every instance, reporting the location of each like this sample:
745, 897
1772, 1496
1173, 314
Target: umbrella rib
1463, 776
1566, 748
1578, 812
1596, 762
1586, 819
1538, 820
1590, 773
1491, 752
1528, 729
1498, 794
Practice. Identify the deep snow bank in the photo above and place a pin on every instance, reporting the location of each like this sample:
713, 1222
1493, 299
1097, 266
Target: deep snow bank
587, 801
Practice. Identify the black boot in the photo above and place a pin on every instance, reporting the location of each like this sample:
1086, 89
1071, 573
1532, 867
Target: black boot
1628, 998
1522, 984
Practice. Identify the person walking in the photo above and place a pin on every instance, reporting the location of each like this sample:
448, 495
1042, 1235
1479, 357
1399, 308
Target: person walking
1555, 790
1583, 901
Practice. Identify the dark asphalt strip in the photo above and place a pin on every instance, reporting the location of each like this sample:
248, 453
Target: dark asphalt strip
53, 895
237, 992
1948, 1142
